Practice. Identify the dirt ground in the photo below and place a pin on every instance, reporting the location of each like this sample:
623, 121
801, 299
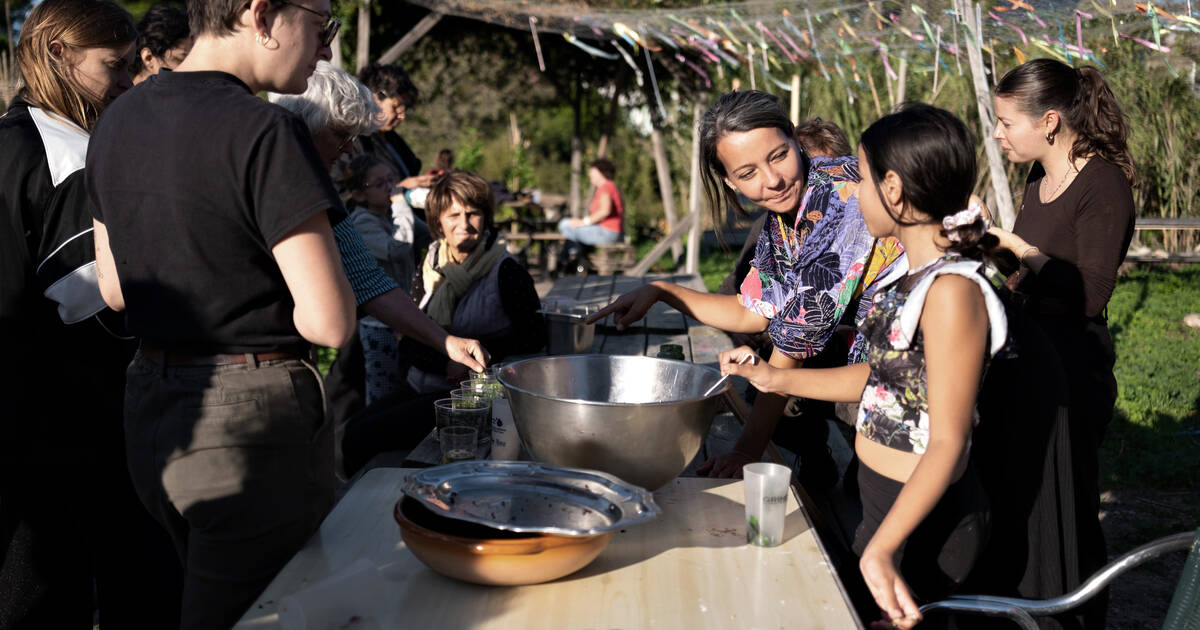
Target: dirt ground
1132, 517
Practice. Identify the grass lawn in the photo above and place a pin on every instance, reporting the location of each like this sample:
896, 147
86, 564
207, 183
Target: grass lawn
1153, 439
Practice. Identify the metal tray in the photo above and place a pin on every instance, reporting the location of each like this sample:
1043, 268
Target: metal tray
532, 497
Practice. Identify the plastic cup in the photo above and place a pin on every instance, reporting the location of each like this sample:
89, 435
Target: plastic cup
459, 443
334, 601
505, 443
766, 502
454, 412
474, 399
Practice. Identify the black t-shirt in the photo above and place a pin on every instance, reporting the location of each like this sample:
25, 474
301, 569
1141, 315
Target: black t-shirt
196, 179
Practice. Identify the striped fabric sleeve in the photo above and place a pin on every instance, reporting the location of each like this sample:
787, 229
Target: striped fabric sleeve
366, 277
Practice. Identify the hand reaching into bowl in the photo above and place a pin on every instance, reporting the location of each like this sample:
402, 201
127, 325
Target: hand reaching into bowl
630, 307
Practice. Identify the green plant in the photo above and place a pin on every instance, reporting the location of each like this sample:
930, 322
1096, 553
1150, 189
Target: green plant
469, 155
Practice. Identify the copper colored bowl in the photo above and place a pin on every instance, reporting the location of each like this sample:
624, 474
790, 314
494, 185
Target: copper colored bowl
484, 555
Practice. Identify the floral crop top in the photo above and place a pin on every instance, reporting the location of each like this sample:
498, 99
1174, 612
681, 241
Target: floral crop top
895, 410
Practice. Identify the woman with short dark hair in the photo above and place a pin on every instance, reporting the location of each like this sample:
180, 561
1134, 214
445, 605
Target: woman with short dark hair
471, 286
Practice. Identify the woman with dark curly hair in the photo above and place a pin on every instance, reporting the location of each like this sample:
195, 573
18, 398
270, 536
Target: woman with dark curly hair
164, 39
1071, 235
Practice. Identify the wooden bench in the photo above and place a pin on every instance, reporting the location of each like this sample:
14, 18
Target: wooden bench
608, 259
551, 244
1163, 256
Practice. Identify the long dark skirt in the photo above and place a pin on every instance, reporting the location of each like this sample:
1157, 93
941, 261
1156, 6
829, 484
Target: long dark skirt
1037, 451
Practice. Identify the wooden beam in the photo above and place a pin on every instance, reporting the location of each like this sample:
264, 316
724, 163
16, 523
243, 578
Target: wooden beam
661, 248
693, 246
794, 109
969, 12
411, 37
665, 186
363, 51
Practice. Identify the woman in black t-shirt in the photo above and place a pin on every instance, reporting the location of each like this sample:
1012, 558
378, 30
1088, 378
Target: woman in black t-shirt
1071, 235
212, 216
63, 378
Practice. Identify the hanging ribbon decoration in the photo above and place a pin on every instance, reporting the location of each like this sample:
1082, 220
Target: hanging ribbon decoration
591, 50
654, 83
698, 69
816, 50
666, 39
1024, 39
537, 45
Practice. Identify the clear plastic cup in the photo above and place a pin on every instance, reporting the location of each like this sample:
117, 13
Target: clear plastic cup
459, 443
471, 398
766, 502
453, 412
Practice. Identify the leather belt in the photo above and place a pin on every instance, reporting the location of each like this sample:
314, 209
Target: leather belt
163, 357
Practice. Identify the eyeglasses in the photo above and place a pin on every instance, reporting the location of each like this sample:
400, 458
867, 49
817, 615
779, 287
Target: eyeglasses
328, 30
386, 183
346, 143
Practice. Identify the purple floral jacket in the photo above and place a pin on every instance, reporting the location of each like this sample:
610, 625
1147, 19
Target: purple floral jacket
805, 276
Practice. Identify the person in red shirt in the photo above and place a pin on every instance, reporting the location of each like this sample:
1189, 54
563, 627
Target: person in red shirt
606, 212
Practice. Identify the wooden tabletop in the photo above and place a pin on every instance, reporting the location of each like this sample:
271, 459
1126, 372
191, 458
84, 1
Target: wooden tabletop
690, 568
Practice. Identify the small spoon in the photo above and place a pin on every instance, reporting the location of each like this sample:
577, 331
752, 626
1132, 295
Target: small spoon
724, 377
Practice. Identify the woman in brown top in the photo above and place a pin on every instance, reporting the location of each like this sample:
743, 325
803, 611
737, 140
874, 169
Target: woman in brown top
1071, 234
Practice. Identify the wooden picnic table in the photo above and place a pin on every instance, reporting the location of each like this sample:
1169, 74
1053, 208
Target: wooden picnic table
689, 568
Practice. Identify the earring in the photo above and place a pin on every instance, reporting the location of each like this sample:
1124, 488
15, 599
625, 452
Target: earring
262, 39
1050, 138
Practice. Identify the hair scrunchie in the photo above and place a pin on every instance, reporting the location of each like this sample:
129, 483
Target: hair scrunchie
961, 225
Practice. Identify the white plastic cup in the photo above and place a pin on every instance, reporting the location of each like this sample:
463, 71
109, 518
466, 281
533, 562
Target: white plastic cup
766, 502
506, 444
335, 601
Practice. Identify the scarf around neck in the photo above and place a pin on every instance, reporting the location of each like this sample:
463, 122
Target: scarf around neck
446, 281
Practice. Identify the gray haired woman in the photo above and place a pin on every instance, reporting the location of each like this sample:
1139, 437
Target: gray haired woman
337, 109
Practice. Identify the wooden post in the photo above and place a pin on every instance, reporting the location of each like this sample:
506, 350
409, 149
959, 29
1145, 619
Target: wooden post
363, 51
336, 46
665, 187
968, 12
411, 37
795, 104
8, 26
693, 246
575, 204
902, 82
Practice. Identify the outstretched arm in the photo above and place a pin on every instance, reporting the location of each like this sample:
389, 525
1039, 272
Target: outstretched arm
840, 384
397, 310
719, 311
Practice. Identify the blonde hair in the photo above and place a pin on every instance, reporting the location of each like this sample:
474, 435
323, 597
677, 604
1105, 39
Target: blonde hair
48, 80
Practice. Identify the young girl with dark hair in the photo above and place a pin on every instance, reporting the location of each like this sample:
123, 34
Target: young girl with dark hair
387, 225
1071, 235
930, 335
814, 264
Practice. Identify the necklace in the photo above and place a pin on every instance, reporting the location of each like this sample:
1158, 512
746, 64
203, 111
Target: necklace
1066, 177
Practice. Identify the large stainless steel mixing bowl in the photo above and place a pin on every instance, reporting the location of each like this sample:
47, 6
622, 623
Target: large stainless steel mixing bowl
638, 418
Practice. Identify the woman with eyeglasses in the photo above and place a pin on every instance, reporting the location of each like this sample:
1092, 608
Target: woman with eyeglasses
212, 211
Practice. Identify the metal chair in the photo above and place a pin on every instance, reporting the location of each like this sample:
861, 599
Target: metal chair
1184, 613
